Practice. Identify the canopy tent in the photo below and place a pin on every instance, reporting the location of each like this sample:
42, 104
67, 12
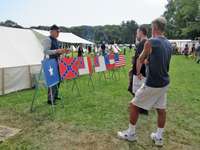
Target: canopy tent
63, 37
180, 44
118, 49
114, 49
20, 54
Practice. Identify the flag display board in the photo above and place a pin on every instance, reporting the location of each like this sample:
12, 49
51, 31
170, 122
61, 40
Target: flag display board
50, 72
109, 62
99, 63
119, 60
84, 65
68, 68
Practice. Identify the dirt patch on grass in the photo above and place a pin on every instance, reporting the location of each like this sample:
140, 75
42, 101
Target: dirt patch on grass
6, 132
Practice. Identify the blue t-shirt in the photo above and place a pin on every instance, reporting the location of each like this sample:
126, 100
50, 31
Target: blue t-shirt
157, 70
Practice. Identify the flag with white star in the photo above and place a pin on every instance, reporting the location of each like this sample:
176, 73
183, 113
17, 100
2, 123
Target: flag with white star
109, 62
50, 72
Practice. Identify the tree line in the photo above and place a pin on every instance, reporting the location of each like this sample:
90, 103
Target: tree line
183, 22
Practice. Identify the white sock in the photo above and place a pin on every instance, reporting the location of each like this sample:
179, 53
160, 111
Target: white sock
131, 129
159, 133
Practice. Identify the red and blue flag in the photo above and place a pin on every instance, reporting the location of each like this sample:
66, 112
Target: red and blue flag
109, 61
68, 68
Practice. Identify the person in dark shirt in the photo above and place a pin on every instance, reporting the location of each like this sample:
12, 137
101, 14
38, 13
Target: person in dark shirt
80, 51
130, 47
52, 48
142, 37
103, 47
89, 49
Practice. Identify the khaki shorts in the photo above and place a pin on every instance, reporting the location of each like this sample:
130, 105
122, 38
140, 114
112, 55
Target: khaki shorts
137, 83
147, 97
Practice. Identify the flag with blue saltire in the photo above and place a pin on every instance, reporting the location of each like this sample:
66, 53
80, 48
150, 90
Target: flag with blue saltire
84, 65
50, 72
109, 61
119, 60
68, 68
99, 63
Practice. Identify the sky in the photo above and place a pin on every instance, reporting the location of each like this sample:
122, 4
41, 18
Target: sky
71, 13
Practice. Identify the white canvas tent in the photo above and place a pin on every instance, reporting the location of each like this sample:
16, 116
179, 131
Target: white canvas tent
180, 44
20, 54
118, 49
114, 50
63, 37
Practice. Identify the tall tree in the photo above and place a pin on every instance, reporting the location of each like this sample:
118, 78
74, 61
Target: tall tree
183, 18
9, 23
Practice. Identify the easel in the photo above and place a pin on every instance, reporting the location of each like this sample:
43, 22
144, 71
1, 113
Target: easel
100, 79
80, 63
90, 74
112, 74
72, 88
99, 74
124, 72
50, 92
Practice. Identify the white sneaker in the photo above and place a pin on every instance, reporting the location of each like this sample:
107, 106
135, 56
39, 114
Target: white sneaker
158, 142
126, 136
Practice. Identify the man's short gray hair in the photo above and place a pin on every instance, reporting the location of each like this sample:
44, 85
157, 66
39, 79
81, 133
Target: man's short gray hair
160, 23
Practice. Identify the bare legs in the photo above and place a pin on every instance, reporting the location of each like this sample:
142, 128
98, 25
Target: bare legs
161, 118
134, 113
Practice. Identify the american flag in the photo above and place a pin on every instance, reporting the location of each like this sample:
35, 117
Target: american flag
119, 60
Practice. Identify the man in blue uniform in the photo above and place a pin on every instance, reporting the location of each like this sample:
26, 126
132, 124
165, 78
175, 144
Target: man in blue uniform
52, 48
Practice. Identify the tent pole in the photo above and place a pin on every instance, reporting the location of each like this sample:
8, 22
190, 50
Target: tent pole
72, 52
3, 81
30, 75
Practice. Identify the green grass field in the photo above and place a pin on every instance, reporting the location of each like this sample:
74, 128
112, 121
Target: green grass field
92, 120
